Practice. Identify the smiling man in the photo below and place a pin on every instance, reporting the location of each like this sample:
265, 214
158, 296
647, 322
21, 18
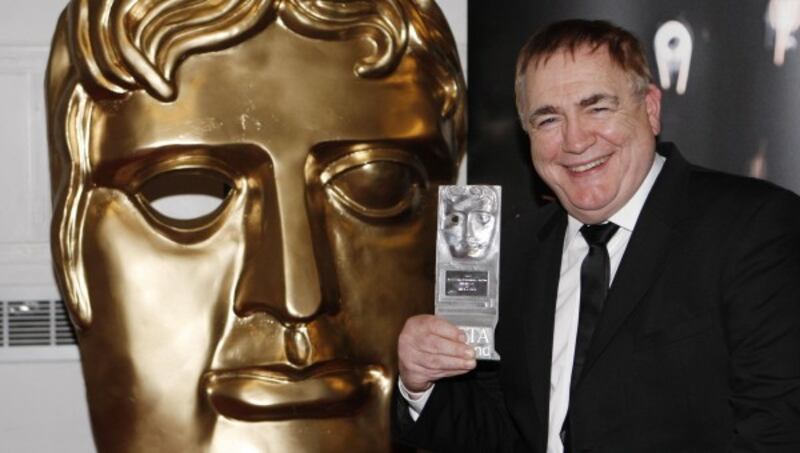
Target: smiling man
655, 307
592, 128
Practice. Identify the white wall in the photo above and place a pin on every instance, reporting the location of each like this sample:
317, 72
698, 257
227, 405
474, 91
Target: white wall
43, 401
41, 394
456, 12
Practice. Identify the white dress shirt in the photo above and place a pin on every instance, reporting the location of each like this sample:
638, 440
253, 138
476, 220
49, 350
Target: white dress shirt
565, 327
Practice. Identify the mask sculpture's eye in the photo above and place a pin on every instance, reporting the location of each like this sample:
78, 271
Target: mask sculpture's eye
186, 198
454, 220
376, 185
484, 218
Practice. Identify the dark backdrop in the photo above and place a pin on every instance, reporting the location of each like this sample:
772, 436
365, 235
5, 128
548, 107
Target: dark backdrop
738, 104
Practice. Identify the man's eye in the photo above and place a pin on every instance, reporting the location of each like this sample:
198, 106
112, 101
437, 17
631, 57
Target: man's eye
545, 122
185, 198
378, 189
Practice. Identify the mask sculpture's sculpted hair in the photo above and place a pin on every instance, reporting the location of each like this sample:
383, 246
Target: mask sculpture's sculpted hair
624, 49
477, 196
117, 47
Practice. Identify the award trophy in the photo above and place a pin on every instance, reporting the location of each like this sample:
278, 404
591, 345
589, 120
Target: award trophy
467, 263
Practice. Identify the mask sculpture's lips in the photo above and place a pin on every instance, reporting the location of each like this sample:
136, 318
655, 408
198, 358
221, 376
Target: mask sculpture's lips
324, 390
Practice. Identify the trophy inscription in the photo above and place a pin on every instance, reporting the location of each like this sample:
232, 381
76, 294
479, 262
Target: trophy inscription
466, 283
467, 263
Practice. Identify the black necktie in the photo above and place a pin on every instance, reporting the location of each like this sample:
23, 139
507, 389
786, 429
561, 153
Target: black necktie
595, 275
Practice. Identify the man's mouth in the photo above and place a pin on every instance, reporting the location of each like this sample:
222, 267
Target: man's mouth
588, 166
324, 390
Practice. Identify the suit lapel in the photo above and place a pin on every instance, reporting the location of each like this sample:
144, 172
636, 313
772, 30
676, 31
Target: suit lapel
646, 252
543, 275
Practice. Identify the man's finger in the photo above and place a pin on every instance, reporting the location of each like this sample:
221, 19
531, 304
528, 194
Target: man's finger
437, 345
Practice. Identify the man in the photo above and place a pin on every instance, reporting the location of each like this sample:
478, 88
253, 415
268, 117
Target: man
691, 343
266, 322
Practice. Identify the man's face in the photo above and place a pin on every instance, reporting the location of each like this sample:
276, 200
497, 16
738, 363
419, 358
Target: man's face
268, 323
468, 227
592, 136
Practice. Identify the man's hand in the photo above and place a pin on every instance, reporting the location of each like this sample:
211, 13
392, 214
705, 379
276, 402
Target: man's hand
430, 348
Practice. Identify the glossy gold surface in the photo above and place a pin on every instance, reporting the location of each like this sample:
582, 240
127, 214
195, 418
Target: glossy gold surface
322, 129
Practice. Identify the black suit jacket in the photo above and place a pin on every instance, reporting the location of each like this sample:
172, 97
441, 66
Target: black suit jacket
697, 350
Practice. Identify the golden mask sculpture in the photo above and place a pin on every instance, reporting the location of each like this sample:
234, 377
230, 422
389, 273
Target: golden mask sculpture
269, 322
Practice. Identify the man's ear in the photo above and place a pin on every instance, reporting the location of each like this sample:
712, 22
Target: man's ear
652, 102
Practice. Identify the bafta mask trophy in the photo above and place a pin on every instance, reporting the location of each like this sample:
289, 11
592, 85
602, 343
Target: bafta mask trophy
468, 263
268, 323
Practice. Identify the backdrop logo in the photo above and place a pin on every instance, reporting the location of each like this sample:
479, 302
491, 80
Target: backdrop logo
673, 49
783, 17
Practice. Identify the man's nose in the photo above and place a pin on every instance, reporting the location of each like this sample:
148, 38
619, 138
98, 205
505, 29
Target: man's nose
280, 274
576, 136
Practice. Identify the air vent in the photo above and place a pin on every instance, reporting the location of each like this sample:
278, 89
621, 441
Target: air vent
34, 323
64, 333
29, 323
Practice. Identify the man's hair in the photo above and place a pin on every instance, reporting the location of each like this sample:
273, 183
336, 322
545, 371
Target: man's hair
570, 35
105, 49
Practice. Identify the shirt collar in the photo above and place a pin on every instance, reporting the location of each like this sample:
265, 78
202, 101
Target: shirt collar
627, 216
